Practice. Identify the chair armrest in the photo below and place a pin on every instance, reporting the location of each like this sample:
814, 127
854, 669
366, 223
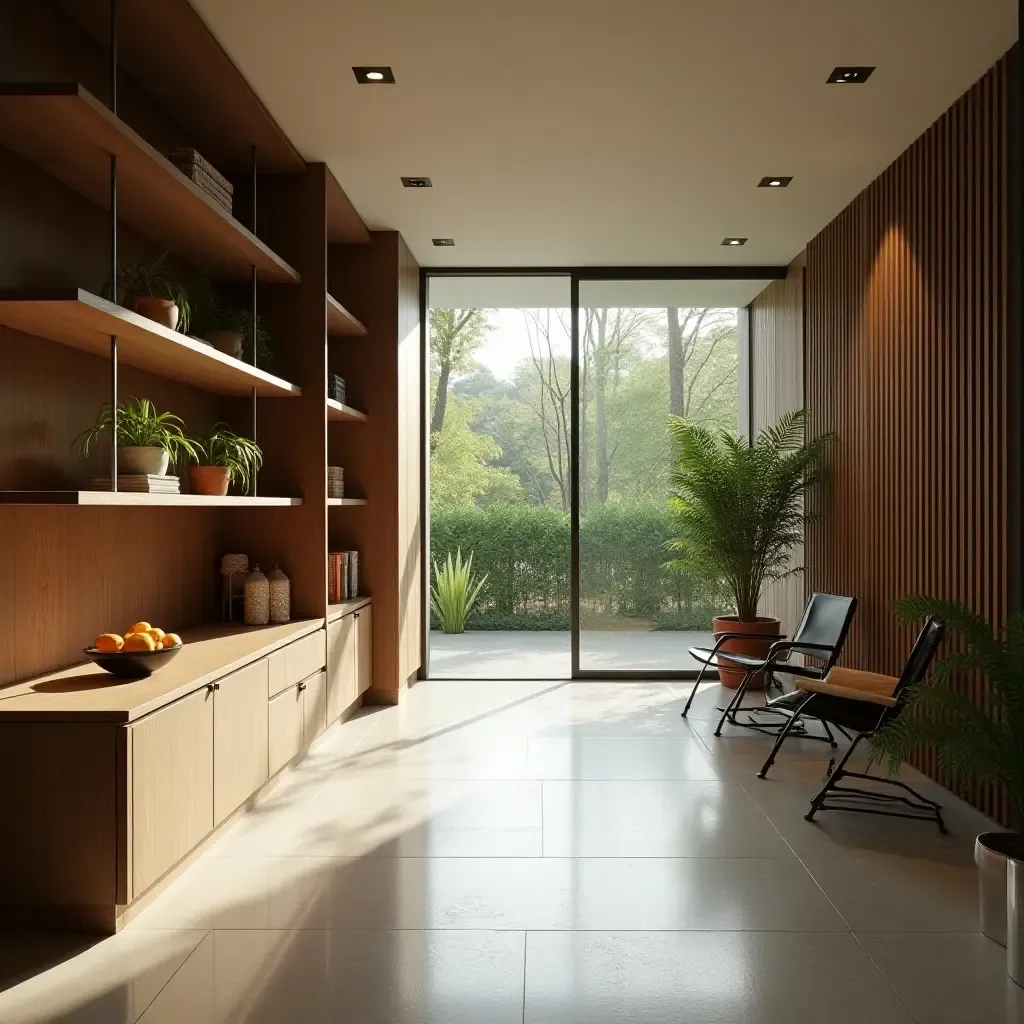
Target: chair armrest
748, 636
846, 692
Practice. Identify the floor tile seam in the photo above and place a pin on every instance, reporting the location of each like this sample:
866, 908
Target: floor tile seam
885, 981
206, 934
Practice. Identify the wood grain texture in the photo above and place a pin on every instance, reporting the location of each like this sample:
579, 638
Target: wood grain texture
342, 674
314, 707
337, 412
344, 225
285, 714
364, 648
172, 786
906, 319
340, 322
239, 738
777, 387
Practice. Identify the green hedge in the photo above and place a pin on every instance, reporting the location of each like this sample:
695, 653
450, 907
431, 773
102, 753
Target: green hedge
524, 550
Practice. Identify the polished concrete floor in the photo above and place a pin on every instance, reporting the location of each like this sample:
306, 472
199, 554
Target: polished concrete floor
537, 654
495, 852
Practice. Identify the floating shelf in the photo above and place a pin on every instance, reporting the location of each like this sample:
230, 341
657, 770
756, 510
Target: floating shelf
66, 132
336, 412
336, 611
346, 501
135, 498
340, 322
84, 321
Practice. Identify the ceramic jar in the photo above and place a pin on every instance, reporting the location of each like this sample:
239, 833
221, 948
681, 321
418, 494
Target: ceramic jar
280, 595
257, 599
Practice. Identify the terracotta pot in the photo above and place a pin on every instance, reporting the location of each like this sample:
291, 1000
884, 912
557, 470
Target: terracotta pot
148, 461
228, 342
761, 634
209, 479
163, 311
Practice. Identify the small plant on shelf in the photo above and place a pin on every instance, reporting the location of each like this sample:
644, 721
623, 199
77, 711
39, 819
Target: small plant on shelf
150, 293
223, 458
455, 592
230, 330
147, 440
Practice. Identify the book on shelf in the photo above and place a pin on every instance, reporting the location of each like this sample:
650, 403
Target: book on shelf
342, 576
140, 483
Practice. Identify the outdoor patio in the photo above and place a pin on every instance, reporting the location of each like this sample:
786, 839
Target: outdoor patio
521, 654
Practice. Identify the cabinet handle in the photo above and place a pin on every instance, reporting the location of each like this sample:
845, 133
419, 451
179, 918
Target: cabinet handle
356, 616
301, 687
212, 686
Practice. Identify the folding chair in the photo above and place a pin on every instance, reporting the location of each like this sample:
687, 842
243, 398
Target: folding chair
820, 634
863, 702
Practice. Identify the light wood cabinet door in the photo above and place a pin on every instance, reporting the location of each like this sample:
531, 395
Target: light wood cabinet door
171, 786
364, 649
240, 764
314, 707
284, 714
342, 683
296, 662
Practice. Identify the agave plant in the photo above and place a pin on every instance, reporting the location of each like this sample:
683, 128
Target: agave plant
455, 592
739, 507
241, 456
140, 425
982, 742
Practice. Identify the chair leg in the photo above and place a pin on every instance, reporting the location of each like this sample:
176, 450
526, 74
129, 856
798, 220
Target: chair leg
693, 692
828, 732
834, 776
737, 699
794, 718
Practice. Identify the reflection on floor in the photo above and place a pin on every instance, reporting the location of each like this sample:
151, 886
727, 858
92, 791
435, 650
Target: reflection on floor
548, 852
535, 654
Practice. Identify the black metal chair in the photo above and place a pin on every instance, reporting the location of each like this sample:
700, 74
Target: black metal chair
820, 634
863, 702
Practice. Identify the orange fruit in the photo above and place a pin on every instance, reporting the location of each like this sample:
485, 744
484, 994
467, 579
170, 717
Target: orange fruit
109, 642
139, 642
171, 640
140, 627
156, 633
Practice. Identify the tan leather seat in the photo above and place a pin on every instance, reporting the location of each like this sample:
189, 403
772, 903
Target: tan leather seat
853, 684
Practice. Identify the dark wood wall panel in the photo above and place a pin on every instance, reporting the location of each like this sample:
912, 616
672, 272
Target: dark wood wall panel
906, 354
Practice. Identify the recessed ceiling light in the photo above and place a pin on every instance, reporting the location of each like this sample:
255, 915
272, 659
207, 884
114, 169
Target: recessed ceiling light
849, 76
417, 183
775, 181
443, 241
734, 241
374, 76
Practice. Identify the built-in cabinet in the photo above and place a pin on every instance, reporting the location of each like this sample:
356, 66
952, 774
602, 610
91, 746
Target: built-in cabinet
349, 660
239, 737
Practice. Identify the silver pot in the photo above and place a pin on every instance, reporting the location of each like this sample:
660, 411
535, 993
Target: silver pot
1014, 919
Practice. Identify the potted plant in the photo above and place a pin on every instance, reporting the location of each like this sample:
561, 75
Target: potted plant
454, 592
147, 441
975, 742
739, 511
230, 331
223, 458
155, 296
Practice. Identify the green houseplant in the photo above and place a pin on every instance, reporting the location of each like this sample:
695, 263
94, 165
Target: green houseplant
454, 592
150, 293
230, 330
222, 458
973, 742
147, 440
738, 511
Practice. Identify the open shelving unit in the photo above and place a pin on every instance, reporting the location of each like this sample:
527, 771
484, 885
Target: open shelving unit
340, 322
337, 412
346, 501
135, 498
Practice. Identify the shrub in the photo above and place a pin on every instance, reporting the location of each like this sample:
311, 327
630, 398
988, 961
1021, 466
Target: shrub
454, 592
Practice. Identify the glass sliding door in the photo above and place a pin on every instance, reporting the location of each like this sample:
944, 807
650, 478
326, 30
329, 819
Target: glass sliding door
647, 350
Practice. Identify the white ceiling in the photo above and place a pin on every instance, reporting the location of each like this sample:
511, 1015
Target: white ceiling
608, 132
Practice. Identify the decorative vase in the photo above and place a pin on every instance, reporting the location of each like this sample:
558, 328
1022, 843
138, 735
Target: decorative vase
257, 599
280, 595
228, 342
231, 567
209, 479
163, 311
760, 635
992, 852
148, 461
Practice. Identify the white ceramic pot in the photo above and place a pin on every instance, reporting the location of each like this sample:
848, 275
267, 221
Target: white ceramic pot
148, 461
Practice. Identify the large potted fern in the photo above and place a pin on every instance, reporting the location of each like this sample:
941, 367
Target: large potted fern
739, 512
973, 742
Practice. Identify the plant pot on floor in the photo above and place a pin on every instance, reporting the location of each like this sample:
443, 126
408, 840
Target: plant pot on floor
992, 852
229, 342
761, 634
163, 311
209, 479
149, 461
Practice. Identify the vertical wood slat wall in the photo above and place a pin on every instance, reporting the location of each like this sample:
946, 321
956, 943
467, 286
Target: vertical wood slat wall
906, 357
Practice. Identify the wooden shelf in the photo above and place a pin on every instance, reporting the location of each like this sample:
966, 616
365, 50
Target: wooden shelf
346, 501
86, 691
65, 131
336, 611
84, 321
336, 412
135, 498
340, 322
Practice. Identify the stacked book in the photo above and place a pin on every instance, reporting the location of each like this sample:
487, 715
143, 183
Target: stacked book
336, 388
335, 482
204, 174
342, 576
140, 483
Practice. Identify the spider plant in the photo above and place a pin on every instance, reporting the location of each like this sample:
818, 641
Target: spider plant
240, 322
454, 592
139, 425
240, 456
139, 278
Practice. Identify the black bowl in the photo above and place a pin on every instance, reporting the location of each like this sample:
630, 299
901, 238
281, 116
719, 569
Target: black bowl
132, 664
